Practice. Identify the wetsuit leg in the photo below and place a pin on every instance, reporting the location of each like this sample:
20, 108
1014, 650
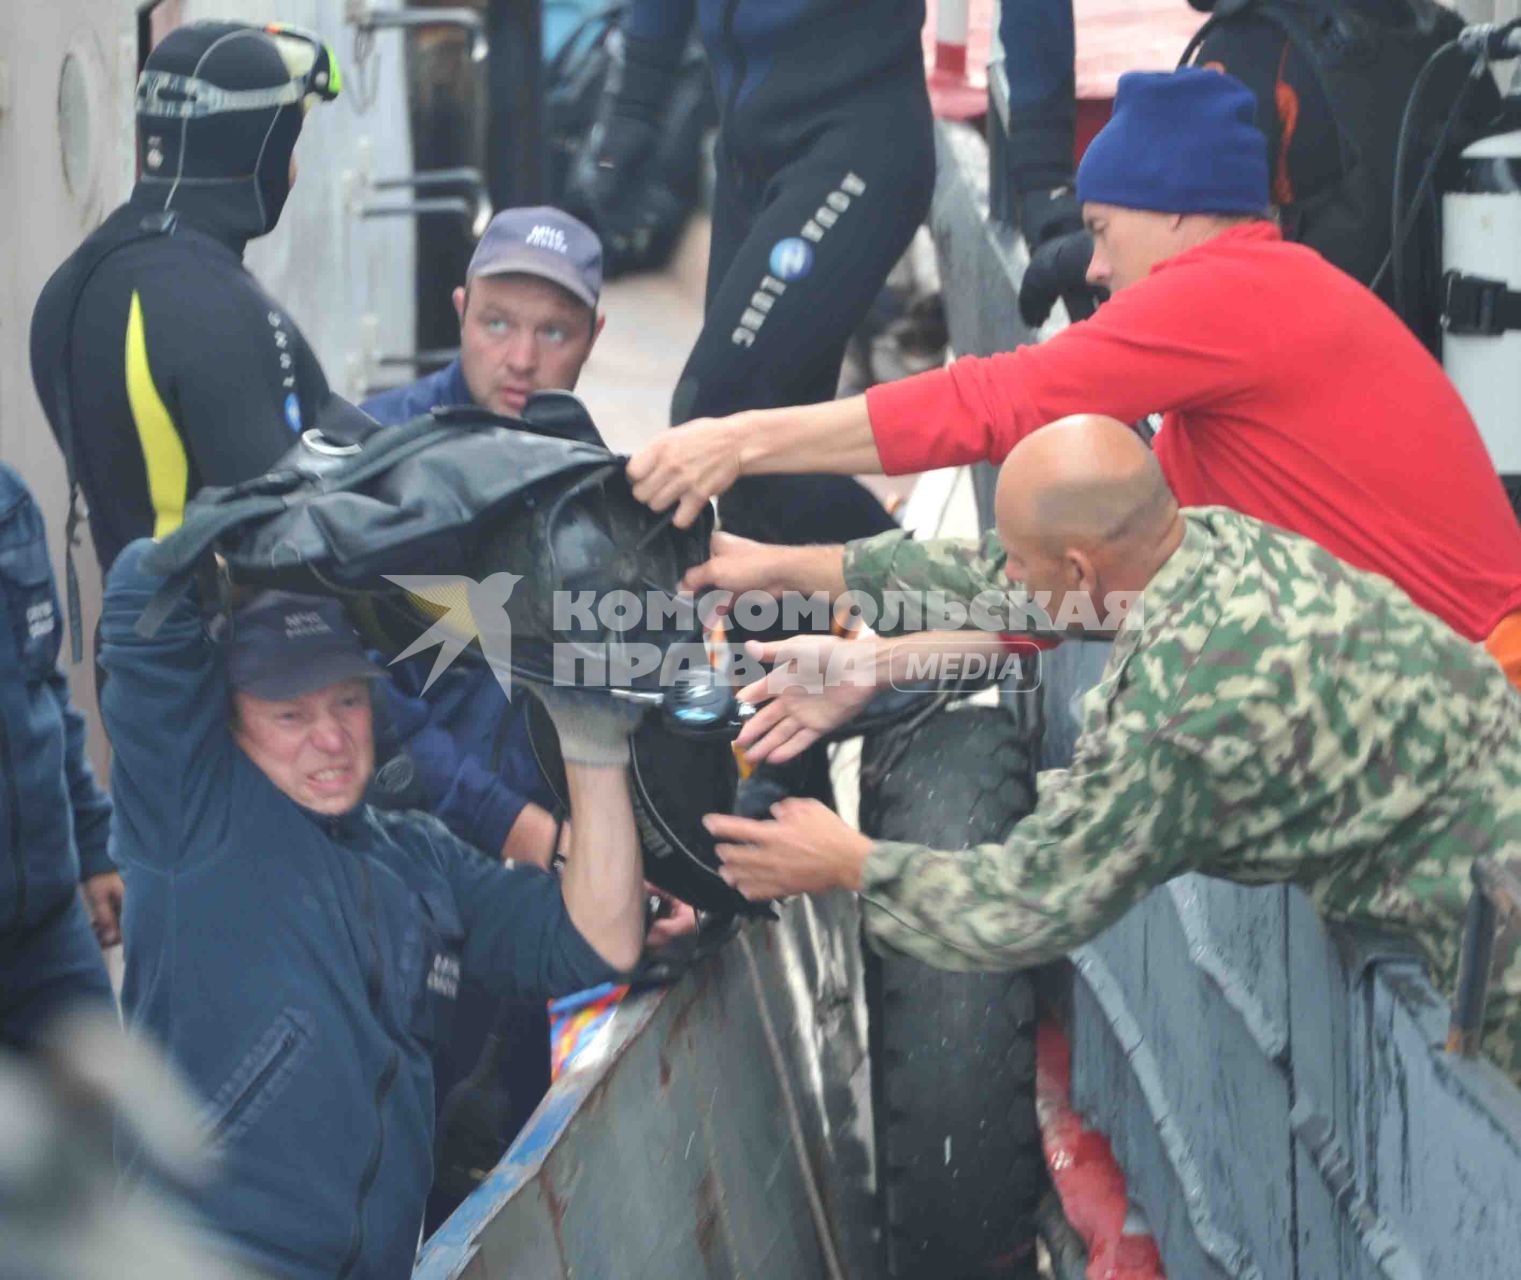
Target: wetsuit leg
783, 301
1037, 38
48, 968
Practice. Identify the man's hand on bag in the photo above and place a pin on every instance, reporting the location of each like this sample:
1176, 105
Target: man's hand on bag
687, 466
816, 685
102, 896
738, 565
805, 848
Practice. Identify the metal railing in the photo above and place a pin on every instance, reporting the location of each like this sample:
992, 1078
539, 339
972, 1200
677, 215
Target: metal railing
1496, 899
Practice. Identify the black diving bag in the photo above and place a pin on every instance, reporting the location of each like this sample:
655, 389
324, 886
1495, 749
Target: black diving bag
469, 493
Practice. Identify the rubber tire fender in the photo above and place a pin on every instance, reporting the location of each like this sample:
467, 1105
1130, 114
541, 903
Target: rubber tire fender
960, 1170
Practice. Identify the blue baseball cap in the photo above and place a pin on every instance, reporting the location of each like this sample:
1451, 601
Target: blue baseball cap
542, 241
281, 645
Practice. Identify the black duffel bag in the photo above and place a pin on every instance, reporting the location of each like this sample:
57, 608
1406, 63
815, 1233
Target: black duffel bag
467, 494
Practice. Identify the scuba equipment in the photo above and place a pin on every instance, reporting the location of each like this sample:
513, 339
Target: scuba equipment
314, 75
538, 497
219, 108
1481, 284
1382, 75
676, 779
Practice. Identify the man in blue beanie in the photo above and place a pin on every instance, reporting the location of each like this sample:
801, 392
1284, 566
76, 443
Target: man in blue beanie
1287, 390
1180, 158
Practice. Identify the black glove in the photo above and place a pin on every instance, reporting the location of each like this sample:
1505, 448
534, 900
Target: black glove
623, 139
1059, 269
1044, 215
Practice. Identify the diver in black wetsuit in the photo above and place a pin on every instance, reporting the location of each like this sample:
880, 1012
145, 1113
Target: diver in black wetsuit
825, 167
160, 362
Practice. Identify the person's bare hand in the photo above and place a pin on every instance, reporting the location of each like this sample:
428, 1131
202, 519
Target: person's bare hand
816, 685
805, 848
677, 919
531, 838
738, 565
685, 467
102, 896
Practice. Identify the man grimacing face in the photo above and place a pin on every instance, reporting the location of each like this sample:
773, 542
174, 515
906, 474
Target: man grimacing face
319, 748
520, 334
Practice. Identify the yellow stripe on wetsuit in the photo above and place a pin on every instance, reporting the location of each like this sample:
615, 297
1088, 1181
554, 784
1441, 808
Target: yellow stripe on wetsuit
163, 451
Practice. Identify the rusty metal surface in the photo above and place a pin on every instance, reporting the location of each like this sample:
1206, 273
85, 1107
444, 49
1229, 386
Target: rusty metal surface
721, 1132
1278, 1096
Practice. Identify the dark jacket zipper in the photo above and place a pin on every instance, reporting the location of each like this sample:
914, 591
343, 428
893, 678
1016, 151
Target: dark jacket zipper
280, 1053
375, 988
13, 818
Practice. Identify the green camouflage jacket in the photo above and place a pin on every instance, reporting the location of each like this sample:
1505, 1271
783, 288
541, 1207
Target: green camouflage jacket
1268, 714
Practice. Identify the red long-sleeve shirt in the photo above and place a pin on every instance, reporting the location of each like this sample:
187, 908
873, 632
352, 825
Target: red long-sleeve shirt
1289, 392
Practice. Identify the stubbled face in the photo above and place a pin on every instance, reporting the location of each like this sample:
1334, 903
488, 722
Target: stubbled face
319, 749
518, 335
1043, 569
1128, 243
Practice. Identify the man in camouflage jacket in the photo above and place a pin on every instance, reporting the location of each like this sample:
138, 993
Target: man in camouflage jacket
1268, 714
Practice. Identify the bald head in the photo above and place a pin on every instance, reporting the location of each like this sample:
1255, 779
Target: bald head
1083, 505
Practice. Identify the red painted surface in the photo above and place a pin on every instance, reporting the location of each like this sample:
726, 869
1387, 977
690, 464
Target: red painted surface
1084, 1171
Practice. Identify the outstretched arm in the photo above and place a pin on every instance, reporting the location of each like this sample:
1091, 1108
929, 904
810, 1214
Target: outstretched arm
1104, 833
690, 464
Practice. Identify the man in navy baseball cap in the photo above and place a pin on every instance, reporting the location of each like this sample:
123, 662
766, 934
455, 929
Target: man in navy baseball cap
301, 698
527, 318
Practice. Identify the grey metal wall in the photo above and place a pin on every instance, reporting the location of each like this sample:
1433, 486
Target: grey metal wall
1276, 1096
721, 1131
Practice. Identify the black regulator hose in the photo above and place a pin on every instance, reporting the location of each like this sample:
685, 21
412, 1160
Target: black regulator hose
1481, 43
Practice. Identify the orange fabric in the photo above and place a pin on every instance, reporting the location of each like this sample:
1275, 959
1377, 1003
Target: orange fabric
1288, 118
1504, 644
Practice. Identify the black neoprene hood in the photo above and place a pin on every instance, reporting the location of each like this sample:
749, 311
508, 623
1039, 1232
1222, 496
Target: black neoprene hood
228, 167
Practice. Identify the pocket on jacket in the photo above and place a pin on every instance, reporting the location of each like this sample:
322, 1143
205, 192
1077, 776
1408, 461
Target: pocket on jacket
260, 1078
31, 606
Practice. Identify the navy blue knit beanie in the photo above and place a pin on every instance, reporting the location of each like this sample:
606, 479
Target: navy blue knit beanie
1179, 142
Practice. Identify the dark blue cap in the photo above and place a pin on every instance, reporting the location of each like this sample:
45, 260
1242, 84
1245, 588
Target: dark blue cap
1181, 141
281, 645
542, 241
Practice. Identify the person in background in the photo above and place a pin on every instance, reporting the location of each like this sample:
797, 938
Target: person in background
55, 819
161, 363
824, 168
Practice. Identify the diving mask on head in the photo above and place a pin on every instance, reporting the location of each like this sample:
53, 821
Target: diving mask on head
313, 67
